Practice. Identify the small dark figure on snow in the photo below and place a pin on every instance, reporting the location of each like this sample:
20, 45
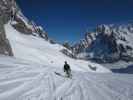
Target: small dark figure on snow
67, 69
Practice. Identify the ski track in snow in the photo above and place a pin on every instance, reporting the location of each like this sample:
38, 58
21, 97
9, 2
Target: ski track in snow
30, 75
31, 82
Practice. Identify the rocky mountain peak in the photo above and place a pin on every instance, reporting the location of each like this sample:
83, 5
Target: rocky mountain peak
108, 43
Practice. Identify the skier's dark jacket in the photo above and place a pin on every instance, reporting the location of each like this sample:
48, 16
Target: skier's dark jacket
66, 67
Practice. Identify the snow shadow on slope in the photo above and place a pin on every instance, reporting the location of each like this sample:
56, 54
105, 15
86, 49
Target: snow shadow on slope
128, 70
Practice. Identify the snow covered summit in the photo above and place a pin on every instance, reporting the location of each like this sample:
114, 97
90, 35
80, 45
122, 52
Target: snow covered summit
108, 43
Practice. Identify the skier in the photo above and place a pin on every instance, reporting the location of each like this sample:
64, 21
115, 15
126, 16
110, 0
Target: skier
67, 69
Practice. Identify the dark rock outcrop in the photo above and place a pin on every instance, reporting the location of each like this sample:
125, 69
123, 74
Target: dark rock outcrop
21, 27
68, 53
5, 47
5, 11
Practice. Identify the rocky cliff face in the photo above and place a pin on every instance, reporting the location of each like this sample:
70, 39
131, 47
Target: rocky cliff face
10, 12
108, 43
5, 11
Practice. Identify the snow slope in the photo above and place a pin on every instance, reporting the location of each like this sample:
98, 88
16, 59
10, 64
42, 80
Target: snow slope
38, 50
30, 74
24, 80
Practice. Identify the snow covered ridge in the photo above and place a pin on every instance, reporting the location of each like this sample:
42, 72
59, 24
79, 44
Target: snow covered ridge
10, 11
25, 26
108, 43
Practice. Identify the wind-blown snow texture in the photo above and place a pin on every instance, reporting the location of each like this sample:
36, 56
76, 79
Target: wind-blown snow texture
24, 80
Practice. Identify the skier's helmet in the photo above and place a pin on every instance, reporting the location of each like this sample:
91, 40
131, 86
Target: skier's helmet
65, 62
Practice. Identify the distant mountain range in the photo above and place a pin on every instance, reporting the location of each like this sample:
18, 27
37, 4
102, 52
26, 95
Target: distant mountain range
107, 44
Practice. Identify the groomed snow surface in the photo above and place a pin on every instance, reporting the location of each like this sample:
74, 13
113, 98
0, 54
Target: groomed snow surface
30, 75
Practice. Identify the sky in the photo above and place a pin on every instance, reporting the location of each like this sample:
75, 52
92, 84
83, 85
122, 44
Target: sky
68, 20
